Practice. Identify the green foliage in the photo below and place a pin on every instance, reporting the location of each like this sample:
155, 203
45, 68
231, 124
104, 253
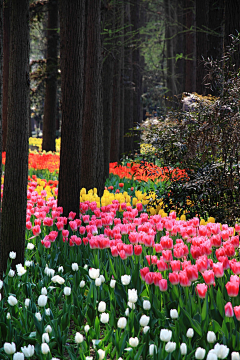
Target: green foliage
204, 142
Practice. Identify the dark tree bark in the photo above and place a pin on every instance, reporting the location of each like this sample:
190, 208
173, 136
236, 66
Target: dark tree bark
116, 102
16, 168
122, 88
92, 167
232, 27
128, 79
1, 87
72, 28
107, 85
215, 24
50, 104
6, 44
190, 78
202, 41
180, 47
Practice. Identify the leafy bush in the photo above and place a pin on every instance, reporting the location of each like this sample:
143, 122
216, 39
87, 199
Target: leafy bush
204, 142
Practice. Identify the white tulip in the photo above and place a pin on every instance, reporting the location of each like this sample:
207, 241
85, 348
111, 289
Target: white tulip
48, 329
28, 351
85, 267
235, 355
86, 328
221, 351
211, 337
74, 266
8, 316
125, 279
30, 246
101, 354
58, 279
38, 316
94, 273
170, 347
89, 358
190, 333
102, 278
98, 281
127, 312
173, 314
82, 284
12, 255
102, 306
43, 291
45, 338
18, 356
60, 269
146, 305
165, 335
20, 270
212, 355
122, 322
131, 305
183, 349
1, 284
9, 348
29, 263
152, 349
146, 329
112, 283
12, 300
133, 341
42, 300
49, 272
144, 320
200, 353
47, 312
132, 295
27, 302
104, 318
78, 338
45, 348
11, 273
67, 291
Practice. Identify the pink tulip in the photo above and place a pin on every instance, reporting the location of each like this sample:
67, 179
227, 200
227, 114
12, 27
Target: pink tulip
174, 278
208, 276
218, 269
237, 312
163, 285
201, 290
232, 288
228, 310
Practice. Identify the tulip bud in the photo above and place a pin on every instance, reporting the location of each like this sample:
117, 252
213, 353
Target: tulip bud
8, 316
133, 342
170, 347
45, 338
152, 349
78, 338
94, 273
190, 333
122, 322
112, 283
98, 281
146, 305
102, 278
42, 300
102, 306
18, 356
212, 355
43, 291
101, 354
28, 351
27, 302
67, 291
131, 305
82, 284
74, 266
60, 269
146, 329
11, 273
86, 328
12, 255
127, 312
38, 316
211, 337
235, 355
12, 300
47, 312
165, 335
200, 353
183, 349
125, 279
144, 320
173, 314
48, 329
45, 348
104, 318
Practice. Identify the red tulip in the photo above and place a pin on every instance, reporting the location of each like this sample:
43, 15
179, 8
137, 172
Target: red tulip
137, 250
183, 279
174, 278
208, 276
232, 288
175, 265
151, 259
192, 272
201, 290
228, 310
163, 285
167, 255
162, 266
149, 278
218, 269
144, 272
237, 312
156, 277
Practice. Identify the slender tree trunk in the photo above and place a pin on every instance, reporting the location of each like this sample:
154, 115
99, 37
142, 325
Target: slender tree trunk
92, 166
50, 104
107, 84
72, 28
122, 88
232, 27
180, 48
190, 79
128, 91
1, 88
6, 44
16, 168
202, 41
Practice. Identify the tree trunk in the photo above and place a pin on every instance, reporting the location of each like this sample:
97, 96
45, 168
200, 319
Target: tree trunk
232, 27
190, 79
107, 84
115, 128
180, 48
16, 168
1, 87
128, 90
6, 44
50, 104
202, 41
92, 167
72, 28
122, 89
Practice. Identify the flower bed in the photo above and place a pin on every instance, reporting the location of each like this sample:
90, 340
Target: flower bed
117, 283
